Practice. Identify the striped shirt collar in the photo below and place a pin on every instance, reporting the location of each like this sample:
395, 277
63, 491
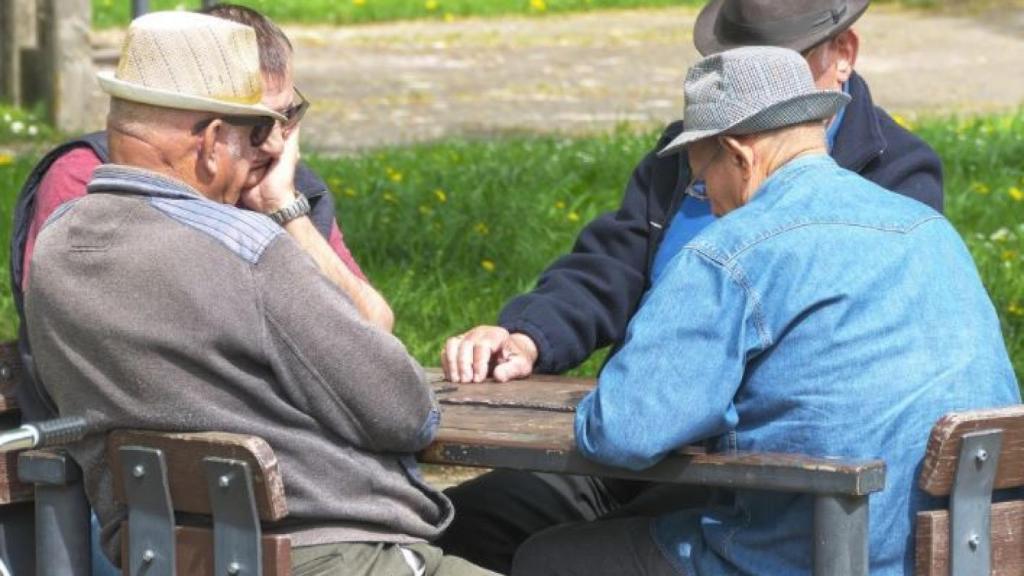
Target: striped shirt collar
134, 180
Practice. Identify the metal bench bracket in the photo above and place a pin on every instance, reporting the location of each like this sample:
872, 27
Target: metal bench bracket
61, 512
150, 515
970, 545
236, 525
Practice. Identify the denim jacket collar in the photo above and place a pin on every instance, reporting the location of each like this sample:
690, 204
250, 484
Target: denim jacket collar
776, 180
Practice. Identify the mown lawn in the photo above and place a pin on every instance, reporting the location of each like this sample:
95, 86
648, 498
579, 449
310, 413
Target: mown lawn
108, 13
448, 231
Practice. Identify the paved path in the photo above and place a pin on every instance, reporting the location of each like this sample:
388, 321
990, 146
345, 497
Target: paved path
396, 83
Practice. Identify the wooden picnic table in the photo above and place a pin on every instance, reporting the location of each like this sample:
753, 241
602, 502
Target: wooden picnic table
528, 425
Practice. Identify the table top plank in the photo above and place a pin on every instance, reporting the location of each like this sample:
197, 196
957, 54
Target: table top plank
552, 393
528, 425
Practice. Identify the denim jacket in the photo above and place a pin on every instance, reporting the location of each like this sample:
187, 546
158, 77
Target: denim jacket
827, 317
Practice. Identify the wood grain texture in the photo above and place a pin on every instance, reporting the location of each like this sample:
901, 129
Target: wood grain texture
939, 468
11, 489
1007, 536
194, 551
553, 393
483, 434
10, 375
184, 453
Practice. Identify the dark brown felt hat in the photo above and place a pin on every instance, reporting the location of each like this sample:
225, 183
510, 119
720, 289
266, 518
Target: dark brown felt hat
795, 24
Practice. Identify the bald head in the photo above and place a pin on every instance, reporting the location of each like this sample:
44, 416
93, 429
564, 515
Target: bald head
209, 156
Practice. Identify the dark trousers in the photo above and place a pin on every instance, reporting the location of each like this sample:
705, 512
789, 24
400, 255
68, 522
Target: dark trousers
499, 511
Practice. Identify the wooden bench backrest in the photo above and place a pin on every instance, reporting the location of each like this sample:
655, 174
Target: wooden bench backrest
938, 473
11, 489
184, 453
940, 459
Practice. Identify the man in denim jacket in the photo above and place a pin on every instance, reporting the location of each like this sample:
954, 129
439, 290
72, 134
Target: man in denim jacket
829, 317
584, 300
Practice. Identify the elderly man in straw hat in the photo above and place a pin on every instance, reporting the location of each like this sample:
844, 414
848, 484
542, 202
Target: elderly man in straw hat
61, 175
821, 321
155, 303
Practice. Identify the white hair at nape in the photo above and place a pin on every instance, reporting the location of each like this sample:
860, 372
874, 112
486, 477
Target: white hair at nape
140, 119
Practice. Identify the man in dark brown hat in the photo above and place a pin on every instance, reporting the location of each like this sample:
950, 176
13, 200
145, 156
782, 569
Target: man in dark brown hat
583, 301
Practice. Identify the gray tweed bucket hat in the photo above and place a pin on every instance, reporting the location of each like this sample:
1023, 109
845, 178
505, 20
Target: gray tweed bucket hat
749, 90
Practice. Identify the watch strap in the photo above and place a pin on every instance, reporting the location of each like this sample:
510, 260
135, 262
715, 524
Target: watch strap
298, 207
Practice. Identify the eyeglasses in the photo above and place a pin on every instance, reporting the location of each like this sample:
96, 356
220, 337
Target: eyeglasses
294, 113
262, 126
698, 188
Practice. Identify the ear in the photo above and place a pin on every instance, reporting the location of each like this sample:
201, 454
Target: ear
846, 46
209, 146
740, 153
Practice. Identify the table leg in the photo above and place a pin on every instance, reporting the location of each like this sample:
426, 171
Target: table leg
840, 535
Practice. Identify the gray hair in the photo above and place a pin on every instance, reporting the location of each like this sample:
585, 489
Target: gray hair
274, 47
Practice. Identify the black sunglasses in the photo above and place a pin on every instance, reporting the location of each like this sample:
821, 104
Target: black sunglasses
262, 126
294, 113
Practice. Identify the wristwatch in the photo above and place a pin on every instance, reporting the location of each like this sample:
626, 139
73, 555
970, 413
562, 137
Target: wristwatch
298, 207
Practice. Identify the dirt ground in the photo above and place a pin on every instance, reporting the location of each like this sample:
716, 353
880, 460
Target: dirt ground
384, 84
397, 83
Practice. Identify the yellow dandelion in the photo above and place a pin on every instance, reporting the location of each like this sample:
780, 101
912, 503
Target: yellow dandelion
350, 192
559, 205
334, 182
1008, 255
538, 5
980, 188
440, 195
487, 265
426, 210
358, 3
902, 121
482, 229
1015, 309
1016, 193
449, 17
390, 198
430, 5
573, 217
394, 175
6, 159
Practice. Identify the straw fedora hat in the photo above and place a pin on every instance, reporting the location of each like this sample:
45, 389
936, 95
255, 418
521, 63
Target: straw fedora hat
190, 61
750, 90
795, 24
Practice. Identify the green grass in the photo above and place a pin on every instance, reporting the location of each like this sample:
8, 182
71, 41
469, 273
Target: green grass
107, 13
110, 13
449, 231
511, 206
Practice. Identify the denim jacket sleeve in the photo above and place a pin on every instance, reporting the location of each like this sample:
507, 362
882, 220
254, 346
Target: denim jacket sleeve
652, 397
584, 300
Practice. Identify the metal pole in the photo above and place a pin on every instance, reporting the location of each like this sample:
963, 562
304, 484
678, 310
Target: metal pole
840, 535
62, 531
62, 513
139, 7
